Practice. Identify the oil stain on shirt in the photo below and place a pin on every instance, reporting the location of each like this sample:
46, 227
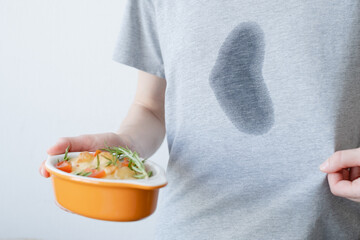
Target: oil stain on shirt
237, 82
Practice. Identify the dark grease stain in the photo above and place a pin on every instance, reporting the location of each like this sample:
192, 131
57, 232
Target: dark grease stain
237, 82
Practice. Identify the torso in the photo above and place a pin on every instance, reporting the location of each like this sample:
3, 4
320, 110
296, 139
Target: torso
259, 93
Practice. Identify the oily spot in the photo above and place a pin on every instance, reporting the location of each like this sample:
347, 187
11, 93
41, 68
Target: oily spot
237, 82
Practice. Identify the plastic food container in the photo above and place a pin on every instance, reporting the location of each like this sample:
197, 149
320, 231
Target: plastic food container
106, 199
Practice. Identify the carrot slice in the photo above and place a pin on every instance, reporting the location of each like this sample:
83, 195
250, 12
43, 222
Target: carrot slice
125, 163
97, 152
64, 166
97, 174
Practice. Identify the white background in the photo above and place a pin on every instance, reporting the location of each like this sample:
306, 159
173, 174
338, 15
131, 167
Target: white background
57, 79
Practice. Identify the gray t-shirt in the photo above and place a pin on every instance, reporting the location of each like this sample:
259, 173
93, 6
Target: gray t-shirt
259, 93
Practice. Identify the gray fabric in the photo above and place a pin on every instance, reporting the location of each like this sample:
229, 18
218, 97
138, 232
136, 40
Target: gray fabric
259, 93
138, 44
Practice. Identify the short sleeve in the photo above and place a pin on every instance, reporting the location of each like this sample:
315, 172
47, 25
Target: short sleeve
138, 42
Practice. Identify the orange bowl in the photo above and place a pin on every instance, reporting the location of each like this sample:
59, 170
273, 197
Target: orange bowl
106, 199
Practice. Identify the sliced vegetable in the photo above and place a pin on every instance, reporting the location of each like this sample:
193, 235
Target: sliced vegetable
97, 162
92, 173
64, 166
124, 173
110, 170
112, 161
83, 173
97, 152
85, 157
125, 163
66, 158
135, 162
97, 174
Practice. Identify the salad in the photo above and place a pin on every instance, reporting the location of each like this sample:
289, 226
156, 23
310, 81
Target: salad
108, 163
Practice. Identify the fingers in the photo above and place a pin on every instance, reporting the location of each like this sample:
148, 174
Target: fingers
343, 169
43, 171
341, 159
90, 142
346, 174
342, 187
354, 173
59, 146
77, 144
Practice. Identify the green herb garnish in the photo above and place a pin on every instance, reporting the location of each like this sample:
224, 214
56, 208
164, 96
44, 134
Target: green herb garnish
98, 162
111, 161
135, 162
66, 158
85, 174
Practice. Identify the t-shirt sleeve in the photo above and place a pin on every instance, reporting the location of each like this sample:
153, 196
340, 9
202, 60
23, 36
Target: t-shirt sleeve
138, 42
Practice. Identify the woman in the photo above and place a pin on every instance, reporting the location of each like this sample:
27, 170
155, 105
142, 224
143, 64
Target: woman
253, 95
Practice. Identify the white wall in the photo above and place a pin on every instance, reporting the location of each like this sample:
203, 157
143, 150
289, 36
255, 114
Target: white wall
57, 79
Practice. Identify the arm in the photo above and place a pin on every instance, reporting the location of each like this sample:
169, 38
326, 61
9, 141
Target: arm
142, 130
144, 124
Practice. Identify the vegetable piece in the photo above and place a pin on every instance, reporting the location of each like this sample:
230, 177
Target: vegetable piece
124, 173
125, 163
85, 157
97, 162
64, 166
66, 158
97, 152
106, 155
110, 169
92, 173
85, 174
111, 161
97, 174
108, 163
135, 162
